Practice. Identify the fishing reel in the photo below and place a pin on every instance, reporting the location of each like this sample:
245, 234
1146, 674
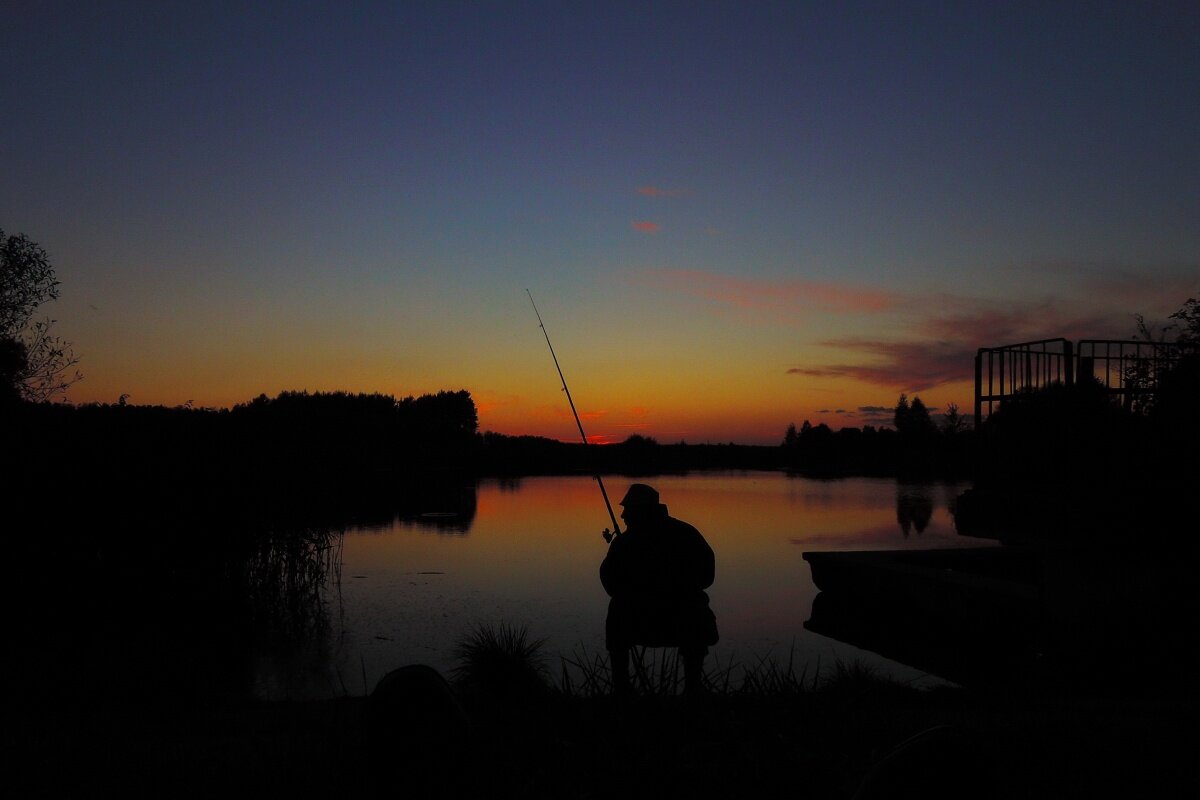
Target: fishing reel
608, 535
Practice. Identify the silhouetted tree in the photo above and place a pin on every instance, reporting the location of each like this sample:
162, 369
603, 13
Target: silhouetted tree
912, 419
34, 363
1189, 322
1175, 346
900, 416
1185, 330
791, 438
12, 362
918, 437
638, 440
1173, 411
953, 422
919, 417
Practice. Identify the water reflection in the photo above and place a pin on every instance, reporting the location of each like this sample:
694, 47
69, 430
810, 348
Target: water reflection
289, 577
448, 508
914, 507
534, 550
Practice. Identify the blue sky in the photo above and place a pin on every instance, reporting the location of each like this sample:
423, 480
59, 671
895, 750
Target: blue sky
702, 196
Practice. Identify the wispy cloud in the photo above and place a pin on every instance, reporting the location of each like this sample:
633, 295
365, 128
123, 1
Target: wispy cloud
783, 296
931, 338
993, 322
874, 415
816, 372
908, 366
655, 191
646, 227
937, 344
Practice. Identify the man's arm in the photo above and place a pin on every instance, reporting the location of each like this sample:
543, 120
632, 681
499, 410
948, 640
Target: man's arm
696, 563
706, 563
614, 569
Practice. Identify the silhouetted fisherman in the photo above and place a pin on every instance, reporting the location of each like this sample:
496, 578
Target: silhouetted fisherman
656, 573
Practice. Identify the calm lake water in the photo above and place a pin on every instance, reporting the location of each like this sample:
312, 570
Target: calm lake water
529, 555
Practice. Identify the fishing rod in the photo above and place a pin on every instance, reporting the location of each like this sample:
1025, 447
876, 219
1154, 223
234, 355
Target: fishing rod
616, 530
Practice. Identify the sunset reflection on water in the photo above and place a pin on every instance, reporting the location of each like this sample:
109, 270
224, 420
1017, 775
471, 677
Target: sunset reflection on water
530, 556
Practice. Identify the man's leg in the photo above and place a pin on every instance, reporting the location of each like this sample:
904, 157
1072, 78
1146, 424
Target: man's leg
619, 658
693, 668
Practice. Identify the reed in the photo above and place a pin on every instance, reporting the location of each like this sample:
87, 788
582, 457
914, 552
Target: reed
659, 673
505, 659
285, 574
584, 675
770, 678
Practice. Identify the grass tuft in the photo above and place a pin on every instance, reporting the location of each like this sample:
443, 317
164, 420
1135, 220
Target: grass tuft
500, 661
769, 677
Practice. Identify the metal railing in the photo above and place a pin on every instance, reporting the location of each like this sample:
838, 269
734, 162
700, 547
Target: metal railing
1125, 368
1001, 372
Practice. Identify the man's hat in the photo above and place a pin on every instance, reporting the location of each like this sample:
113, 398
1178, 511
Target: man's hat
640, 494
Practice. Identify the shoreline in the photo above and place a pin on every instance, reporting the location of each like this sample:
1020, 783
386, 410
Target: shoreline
825, 742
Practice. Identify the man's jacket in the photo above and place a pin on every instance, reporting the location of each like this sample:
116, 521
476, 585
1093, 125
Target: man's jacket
656, 574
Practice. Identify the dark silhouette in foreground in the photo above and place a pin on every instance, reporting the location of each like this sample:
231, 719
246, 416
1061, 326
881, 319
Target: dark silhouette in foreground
656, 573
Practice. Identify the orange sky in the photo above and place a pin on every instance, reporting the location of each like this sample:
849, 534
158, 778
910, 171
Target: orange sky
732, 218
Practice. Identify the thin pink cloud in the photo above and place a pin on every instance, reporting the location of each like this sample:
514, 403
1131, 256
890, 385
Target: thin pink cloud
784, 296
817, 372
654, 191
910, 366
646, 227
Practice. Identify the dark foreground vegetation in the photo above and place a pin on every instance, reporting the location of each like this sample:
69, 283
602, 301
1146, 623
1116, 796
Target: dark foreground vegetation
510, 724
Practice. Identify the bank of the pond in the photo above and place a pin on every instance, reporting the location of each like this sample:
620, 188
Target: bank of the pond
858, 735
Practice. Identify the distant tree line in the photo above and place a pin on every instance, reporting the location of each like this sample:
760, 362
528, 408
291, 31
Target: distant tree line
916, 447
637, 455
298, 449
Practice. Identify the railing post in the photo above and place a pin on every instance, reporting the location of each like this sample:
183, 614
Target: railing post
1069, 363
978, 387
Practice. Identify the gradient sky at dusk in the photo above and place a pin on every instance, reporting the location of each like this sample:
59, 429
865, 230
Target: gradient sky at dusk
732, 215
